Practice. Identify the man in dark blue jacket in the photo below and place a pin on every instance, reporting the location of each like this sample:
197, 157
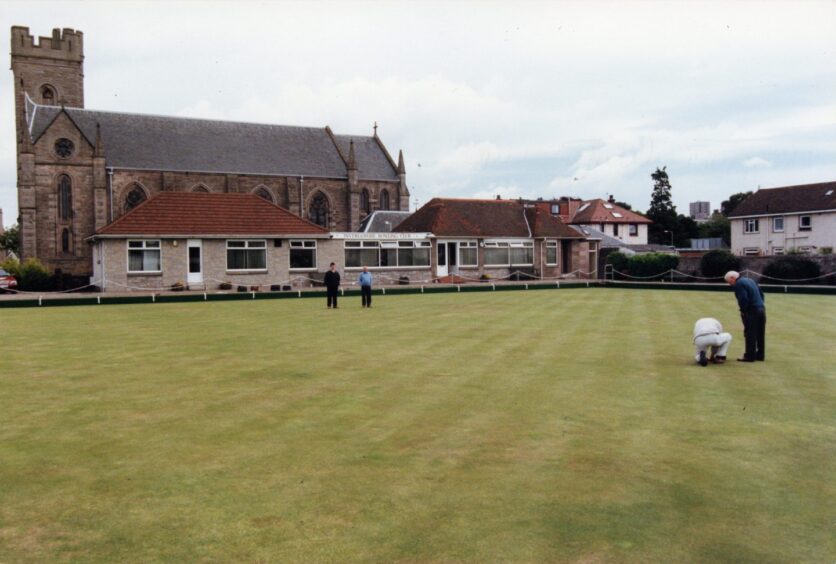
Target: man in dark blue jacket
753, 312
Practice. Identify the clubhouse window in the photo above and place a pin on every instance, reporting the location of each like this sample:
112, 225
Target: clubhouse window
246, 255
551, 253
387, 254
468, 253
778, 224
751, 226
805, 222
303, 255
144, 257
509, 253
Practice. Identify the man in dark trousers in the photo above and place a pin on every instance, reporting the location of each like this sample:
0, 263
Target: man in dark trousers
332, 285
365, 281
753, 312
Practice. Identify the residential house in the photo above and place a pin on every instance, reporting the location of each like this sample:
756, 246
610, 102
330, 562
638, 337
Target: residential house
774, 221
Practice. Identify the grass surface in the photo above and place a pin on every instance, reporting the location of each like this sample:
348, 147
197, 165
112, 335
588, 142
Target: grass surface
567, 425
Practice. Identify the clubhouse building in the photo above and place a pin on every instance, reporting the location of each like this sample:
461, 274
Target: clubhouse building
206, 241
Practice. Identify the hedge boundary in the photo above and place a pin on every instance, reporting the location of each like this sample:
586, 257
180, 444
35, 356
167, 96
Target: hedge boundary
47, 301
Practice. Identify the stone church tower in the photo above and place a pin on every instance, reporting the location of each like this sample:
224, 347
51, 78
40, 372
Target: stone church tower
51, 72
81, 169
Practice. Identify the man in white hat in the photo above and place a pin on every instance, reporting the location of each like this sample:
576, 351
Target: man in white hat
709, 337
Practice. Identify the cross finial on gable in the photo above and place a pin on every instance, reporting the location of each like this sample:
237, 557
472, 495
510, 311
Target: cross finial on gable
375, 128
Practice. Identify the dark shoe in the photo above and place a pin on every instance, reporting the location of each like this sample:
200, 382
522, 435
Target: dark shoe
744, 359
703, 361
718, 359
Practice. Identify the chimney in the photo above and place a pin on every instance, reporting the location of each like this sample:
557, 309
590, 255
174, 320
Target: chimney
611, 199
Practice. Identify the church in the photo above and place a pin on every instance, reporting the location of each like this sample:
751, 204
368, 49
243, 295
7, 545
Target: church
79, 170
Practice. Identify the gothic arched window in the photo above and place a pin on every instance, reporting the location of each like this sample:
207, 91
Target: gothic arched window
319, 210
65, 240
47, 95
384, 200
65, 198
135, 197
263, 193
365, 208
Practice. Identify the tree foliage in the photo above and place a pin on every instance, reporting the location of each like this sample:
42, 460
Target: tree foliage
661, 211
10, 239
718, 226
728, 206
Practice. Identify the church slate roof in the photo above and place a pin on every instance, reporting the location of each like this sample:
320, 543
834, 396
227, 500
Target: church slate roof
449, 217
373, 163
209, 214
150, 142
788, 199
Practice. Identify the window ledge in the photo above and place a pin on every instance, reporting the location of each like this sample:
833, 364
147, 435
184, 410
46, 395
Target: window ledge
150, 273
303, 270
247, 271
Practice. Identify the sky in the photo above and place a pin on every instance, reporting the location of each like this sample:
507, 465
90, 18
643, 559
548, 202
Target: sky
517, 99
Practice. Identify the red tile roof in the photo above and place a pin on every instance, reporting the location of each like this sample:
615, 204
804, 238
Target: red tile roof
450, 217
789, 199
597, 211
544, 224
196, 213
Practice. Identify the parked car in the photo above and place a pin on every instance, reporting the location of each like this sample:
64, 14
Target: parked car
7, 282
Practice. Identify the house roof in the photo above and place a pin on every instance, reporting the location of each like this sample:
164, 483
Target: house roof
789, 199
450, 217
544, 224
207, 214
380, 221
601, 211
153, 142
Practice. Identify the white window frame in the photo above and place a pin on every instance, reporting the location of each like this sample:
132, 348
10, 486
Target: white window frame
777, 251
555, 209
808, 226
775, 224
144, 248
260, 244
552, 244
751, 251
302, 244
806, 249
634, 230
510, 245
468, 245
397, 245
751, 225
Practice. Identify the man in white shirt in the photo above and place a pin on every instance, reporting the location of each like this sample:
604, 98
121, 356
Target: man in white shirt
708, 334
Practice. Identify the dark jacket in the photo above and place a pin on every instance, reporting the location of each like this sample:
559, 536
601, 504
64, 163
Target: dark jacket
332, 280
749, 295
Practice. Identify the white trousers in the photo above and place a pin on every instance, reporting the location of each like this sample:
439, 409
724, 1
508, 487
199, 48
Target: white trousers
718, 343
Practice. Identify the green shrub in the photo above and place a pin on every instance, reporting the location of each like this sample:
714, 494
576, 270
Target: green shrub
791, 268
33, 276
618, 260
651, 264
715, 264
826, 250
12, 266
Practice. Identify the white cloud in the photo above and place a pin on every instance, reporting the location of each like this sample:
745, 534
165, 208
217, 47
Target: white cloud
525, 98
756, 162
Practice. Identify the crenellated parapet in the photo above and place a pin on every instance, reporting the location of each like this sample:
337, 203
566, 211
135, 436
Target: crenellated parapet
64, 44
